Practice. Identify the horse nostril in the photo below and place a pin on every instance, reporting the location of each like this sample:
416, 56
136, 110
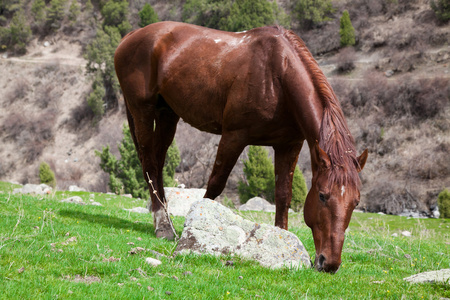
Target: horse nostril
319, 262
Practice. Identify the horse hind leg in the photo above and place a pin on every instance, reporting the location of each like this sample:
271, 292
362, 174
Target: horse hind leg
165, 125
154, 130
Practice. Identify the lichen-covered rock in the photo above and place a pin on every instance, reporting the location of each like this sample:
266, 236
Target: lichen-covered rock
37, 189
439, 276
180, 200
74, 199
259, 204
212, 228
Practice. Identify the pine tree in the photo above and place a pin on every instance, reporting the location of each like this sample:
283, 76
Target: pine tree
444, 203
19, 32
147, 15
74, 11
312, 12
299, 190
441, 9
171, 163
125, 174
115, 13
346, 31
46, 175
55, 14
259, 174
38, 11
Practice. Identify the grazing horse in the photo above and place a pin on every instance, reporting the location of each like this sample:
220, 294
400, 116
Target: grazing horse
258, 87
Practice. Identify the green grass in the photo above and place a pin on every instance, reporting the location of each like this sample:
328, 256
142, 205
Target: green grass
40, 259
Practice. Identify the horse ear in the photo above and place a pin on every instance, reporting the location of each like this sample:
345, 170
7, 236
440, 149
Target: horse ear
362, 160
323, 158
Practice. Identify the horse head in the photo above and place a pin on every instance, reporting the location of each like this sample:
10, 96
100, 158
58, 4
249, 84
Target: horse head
328, 209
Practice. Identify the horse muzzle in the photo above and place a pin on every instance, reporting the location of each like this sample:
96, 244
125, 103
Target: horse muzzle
323, 265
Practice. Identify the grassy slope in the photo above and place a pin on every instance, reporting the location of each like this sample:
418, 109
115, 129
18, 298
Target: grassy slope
34, 231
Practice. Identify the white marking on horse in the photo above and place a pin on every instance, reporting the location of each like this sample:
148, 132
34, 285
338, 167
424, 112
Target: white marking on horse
342, 190
217, 40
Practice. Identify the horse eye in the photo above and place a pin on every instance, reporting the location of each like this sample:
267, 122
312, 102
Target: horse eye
322, 197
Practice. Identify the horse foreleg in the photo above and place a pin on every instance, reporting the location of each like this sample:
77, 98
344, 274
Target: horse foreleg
285, 162
230, 147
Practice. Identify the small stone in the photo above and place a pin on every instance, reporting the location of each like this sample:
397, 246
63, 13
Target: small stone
406, 233
407, 256
150, 288
175, 277
21, 270
130, 243
241, 277
229, 263
153, 262
139, 284
36, 227
120, 284
69, 292
389, 73
187, 273
139, 239
133, 278
394, 235
169, 293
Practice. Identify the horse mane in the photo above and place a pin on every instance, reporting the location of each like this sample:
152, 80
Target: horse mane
334, 137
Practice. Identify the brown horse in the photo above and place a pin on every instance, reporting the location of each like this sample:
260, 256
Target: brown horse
260, 87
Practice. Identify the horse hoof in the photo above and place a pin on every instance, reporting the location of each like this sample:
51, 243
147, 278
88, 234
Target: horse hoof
165, 234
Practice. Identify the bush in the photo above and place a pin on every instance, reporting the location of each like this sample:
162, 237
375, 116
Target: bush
95, 98
236, 15
147, 15
299, 190
259, 174
345, 60
444, 203
346, 31
46, 175
442, 9
208, 13
312, 12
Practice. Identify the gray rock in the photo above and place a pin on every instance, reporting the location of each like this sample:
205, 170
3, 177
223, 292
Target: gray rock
41, 189
180, 200
389, 73
153, 261
141, 210
74, 199
259, 204
436, 214
406, 233
213, 228
74, 188
442, 276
